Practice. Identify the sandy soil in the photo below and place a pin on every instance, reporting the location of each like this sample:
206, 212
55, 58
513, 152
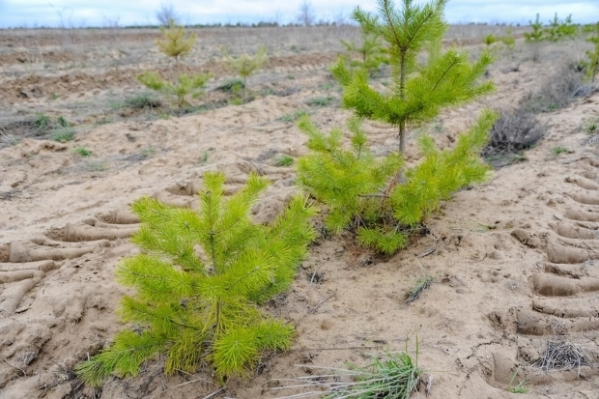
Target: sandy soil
515, 261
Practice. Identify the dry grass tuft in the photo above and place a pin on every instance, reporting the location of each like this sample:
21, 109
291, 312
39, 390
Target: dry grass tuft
560, 355
516, 130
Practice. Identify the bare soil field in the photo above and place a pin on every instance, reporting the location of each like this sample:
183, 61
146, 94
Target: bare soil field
515, 260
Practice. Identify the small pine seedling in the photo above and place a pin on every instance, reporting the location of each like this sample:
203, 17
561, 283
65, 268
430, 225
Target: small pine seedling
84, 152
246, 65
489, 39
537, 34
175, 43
185, 84
559, 150
198, 281
357, 174
371, 53
352, 183
284, 160
592, 65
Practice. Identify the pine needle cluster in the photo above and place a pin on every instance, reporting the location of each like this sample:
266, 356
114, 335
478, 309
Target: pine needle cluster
419, 90
198, 281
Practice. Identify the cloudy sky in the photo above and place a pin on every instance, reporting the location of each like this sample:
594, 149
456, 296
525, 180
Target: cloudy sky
77, 13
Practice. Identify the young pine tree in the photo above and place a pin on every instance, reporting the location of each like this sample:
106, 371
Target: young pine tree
592, 65
246, 65
352, 183
175, 44
198, 281
179, 89
419, 90
365, 194
371, 53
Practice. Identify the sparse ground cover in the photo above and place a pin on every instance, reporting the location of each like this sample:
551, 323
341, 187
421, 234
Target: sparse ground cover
501, 287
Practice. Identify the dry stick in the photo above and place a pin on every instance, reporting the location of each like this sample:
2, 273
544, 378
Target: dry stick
321, 303
15, 367
190, 382
214, 393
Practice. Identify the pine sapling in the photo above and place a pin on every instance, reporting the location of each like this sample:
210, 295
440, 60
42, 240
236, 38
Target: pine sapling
198, 282
347, 181
353, 184
557, 30
246, 65
592, 65
380, 200
537, 35
371, 53
419, 90
176, 44
185, 85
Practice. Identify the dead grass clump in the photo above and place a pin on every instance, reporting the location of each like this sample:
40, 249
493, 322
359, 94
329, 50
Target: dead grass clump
558, 91
560, 355
514, 131
421, 285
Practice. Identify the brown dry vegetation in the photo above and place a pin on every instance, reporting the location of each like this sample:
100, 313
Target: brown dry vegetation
515, 261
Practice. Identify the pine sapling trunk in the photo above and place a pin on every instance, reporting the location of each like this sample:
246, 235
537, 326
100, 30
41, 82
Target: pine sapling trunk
402, 95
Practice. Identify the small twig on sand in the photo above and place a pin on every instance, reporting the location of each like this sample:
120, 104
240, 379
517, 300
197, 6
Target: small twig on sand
321, 303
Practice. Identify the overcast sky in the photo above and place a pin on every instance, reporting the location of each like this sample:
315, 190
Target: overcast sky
77, 13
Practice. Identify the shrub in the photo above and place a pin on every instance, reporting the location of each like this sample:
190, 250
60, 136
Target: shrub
556, 91
141, 101
514, 131
320, 101
232, 85
198, 280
